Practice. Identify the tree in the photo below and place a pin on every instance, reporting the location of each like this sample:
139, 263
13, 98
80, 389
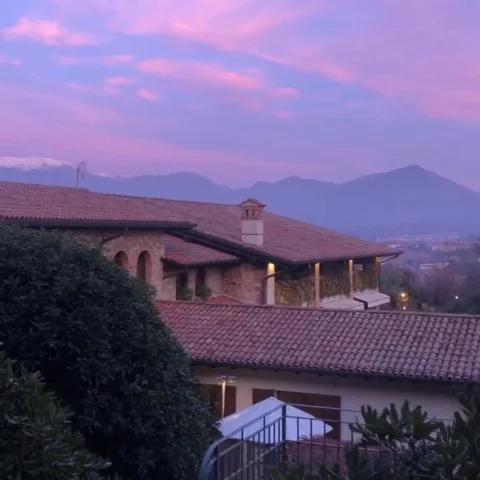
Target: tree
36, 442
94, 334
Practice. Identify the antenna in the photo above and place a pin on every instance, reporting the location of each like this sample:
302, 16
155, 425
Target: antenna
81, 171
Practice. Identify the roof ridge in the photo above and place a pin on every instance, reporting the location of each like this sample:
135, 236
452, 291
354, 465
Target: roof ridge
325, 310
122, 195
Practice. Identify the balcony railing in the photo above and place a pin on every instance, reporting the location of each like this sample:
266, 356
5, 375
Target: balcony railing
286, 442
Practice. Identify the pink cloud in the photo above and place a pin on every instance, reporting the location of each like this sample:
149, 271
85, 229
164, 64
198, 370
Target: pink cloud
109, 60
202, 73
62, 110
46, 31
119, 59
223, 23
95, 89
109, 90
118, 81
287, 93
284, 114
80, 87
73, 130
147, 94
10, 61
420, 54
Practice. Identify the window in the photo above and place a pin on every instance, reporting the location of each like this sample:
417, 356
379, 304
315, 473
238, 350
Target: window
200, 281
213, 394
144, 266
182, 286
323, 407
121, 259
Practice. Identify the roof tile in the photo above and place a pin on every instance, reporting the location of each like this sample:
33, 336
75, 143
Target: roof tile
188, 253
21, 201
284, 238
387, 343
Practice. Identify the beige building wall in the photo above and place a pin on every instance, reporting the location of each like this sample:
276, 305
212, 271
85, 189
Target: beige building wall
439, 401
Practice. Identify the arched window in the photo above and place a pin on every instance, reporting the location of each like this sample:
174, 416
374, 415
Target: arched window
200, 281
121, 259
144, 266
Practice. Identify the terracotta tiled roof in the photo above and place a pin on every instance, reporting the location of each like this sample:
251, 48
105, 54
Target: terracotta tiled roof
40, 203
190, 254
285, 239
368, 343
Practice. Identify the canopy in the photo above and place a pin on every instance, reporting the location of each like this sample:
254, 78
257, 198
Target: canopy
372, 298
342, 304
252, 420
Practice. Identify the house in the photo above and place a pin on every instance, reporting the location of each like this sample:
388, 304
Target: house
333, 361
231, 253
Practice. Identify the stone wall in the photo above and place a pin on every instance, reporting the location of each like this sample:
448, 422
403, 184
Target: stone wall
132, 244
245, 282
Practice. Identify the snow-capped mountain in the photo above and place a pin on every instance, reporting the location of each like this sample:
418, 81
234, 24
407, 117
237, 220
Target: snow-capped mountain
32, 163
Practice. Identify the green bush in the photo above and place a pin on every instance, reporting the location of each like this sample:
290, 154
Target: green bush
36, 441
93, 333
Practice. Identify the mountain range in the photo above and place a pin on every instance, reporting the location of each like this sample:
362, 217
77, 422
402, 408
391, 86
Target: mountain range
408, 200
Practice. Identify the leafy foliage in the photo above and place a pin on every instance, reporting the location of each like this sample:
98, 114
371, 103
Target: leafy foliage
410, 446
204, 292
36, 441
94, 334
185, 293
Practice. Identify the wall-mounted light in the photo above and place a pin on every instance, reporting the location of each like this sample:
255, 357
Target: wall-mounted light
225, 380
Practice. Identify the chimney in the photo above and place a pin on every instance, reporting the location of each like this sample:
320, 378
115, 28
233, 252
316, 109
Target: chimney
252, 221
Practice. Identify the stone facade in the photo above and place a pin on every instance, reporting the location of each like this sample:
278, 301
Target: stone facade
141, 252
130, 246
245, 282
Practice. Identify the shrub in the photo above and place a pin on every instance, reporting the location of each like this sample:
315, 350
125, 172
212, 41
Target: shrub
94, 334
36, 442
204, 292
185, 293
409, 446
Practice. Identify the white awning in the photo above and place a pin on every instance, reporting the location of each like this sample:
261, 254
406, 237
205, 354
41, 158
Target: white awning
342, 304
372, 298
252, 422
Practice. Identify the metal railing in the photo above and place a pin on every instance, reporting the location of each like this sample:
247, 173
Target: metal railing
261, 446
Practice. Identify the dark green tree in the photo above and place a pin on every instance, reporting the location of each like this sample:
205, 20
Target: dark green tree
36, 442
93, 333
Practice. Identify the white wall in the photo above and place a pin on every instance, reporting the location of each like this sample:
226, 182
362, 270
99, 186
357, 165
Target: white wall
438, 401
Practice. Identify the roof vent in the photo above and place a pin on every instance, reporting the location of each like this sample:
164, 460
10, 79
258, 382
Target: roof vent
252, 221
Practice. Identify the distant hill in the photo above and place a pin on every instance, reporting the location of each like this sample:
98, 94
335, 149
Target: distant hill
408, 200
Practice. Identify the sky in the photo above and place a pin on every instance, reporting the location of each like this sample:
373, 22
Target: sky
243, 90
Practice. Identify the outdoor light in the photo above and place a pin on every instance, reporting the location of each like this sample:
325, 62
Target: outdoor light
403, 294
223, 381
404, 308
456, 297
